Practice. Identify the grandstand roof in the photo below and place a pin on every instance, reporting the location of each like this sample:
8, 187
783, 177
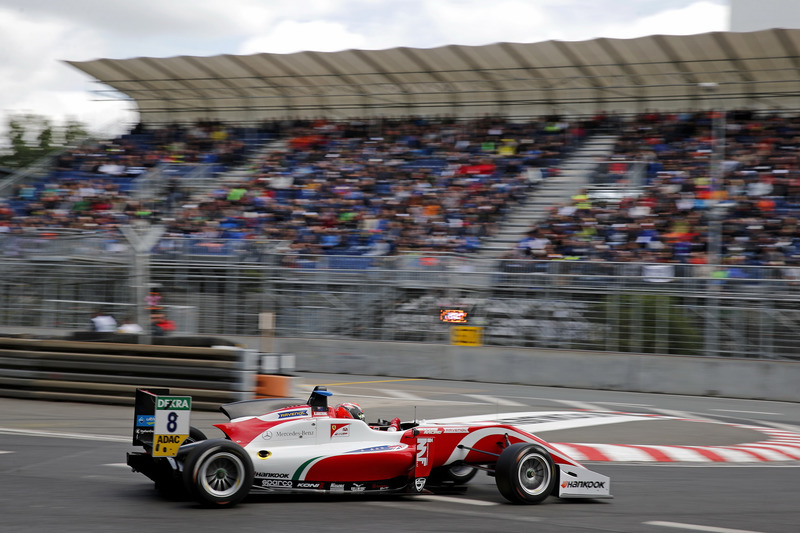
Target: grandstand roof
719, 69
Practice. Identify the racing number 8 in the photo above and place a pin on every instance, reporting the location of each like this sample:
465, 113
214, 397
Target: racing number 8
172, 422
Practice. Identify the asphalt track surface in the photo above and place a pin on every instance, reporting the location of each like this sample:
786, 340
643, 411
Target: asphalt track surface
63, 468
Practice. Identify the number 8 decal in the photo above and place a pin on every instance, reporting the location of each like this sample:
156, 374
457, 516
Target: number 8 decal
172, 422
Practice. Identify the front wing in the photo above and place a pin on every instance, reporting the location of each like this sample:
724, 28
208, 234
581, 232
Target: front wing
582, 483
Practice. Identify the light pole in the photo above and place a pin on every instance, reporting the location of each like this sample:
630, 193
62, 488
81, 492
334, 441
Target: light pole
142, 239
715, 177
714, 255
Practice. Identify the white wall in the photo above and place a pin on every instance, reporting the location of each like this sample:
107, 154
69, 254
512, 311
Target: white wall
754, 15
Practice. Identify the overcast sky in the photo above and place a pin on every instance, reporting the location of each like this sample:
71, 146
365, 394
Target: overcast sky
37, 35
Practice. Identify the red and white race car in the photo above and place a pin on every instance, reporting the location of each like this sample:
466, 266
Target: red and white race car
284, 445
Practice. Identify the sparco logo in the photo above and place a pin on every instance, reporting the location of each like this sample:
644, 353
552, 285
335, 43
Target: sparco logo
583, 485
276, 483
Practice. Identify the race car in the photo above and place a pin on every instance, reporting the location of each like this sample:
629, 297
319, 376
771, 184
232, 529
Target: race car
274, 445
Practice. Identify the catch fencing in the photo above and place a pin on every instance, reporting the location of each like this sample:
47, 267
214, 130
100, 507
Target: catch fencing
222, 288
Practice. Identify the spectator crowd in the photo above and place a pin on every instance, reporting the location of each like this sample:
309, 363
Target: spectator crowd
356, 187
752, 202
438, 184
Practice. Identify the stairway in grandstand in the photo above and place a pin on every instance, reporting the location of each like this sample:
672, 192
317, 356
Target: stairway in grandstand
201, 183
575, 174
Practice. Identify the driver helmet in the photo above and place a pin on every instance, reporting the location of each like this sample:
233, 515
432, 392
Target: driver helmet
349, 410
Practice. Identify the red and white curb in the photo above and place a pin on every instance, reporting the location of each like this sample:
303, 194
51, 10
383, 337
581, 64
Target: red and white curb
780, 446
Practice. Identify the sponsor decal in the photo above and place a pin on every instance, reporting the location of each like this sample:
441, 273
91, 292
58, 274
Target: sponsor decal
378, 486
456, 430
272, 475
453, 316
422, 451
340, 430
145, 421
306, 485
430, 431
282, 434
167, 445
337, 487
169, 439
384, 448
357, 487
293, 414
583, 485
173, 403
280, 483
144, 434
419, 483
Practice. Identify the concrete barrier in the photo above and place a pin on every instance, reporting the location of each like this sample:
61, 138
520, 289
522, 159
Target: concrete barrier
45, 371
696, 376
109, 373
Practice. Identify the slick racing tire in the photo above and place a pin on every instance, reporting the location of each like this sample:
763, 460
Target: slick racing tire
218, 473
172, 486
452, 475
525, 473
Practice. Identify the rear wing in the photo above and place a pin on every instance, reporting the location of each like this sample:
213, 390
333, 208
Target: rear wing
161, 421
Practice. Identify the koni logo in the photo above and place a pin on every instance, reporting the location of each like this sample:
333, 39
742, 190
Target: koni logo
422, 451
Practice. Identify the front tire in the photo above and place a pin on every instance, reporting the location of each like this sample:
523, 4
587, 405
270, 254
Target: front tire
525, 473
218, 473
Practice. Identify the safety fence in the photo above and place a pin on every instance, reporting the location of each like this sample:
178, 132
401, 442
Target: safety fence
219, 288
110, 372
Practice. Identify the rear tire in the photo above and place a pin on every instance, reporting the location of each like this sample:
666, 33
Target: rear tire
218, 473
525, 473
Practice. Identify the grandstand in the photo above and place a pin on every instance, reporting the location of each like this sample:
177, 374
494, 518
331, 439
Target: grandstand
354, 194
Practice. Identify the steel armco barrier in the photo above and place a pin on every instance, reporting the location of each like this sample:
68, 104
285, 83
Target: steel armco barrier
109, 373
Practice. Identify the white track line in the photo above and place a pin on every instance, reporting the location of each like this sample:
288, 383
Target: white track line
580, 405
63, 435
683, 414
695, 527
451, 499
403, 395
494, 400
618, 404
746, 412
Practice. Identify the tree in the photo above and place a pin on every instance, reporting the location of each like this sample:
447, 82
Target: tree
31, 137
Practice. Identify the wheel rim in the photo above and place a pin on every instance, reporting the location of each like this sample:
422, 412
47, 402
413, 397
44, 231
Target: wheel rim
461, 470
534, 474
221, 475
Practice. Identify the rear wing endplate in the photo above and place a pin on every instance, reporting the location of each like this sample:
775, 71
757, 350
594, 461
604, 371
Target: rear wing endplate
161, 421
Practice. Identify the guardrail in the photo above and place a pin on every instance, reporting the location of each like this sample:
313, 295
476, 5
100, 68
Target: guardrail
110, 372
